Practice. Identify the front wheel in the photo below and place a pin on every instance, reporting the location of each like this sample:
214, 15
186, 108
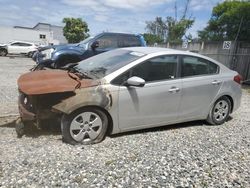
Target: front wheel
220, 111
19, 128
85, 126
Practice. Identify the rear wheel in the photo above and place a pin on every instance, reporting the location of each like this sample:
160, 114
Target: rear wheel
85, 126
220, 111
3, 52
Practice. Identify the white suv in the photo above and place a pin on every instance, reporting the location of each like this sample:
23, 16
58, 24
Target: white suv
18, 47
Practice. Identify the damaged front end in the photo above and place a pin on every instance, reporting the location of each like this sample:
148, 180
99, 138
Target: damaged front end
39, 91
39, 107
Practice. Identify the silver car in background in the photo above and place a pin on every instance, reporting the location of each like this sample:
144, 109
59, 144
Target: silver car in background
146, 87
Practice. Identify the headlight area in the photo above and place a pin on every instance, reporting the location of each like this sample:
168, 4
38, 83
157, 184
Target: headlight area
47, 54
39, 107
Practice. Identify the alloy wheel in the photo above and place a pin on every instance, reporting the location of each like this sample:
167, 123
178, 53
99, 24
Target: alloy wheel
86, 127
3, 53
221, 110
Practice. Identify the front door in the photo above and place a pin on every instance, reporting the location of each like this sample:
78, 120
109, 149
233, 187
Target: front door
157, 102
14, 48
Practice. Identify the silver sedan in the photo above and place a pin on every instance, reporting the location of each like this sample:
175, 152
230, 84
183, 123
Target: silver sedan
143, 87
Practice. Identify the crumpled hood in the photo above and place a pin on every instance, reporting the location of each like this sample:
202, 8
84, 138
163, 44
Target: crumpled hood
51, 81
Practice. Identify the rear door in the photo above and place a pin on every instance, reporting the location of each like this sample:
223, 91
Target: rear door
201, 82
25, 48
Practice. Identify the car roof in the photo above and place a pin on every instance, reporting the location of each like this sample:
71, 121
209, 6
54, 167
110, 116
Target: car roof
162, 51
150, 50
113, 33
159, 50
21, 42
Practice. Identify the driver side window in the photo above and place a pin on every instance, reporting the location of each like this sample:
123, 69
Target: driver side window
155, 69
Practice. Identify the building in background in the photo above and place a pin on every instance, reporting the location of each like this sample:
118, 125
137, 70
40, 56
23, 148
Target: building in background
41, 33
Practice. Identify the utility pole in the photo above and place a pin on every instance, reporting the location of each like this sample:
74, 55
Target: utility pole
186, 9
233, 60
175, 10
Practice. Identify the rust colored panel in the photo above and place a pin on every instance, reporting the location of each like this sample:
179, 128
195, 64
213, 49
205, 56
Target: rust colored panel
51, 81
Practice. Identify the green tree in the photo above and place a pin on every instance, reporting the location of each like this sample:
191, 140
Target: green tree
75, 29
230, 20
152, 39
156, 27
171, 29
177, 29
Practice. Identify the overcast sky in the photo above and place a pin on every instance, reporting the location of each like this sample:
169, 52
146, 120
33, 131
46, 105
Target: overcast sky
102, 15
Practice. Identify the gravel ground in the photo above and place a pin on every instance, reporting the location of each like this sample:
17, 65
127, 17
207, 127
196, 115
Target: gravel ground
183, 155
11, 68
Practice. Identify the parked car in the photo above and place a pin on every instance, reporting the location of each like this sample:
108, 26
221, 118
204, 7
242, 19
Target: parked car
18, 47
129, 89
56, 57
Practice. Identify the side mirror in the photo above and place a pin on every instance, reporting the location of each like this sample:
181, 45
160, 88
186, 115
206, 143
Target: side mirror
135, 81
95, 45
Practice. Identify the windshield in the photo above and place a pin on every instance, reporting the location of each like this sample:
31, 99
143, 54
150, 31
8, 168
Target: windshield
101, 65
84, 42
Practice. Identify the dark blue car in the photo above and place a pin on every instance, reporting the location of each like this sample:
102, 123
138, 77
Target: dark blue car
61, 56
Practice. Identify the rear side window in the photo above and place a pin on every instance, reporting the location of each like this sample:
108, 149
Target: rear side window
25, 44
15, 44
193, 66
20, 44
129, 41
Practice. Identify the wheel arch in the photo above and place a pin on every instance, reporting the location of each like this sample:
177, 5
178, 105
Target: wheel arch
231, 101
209, 117
224, 95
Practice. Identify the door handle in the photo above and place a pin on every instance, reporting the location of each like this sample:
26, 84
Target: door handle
174, 89
216, 82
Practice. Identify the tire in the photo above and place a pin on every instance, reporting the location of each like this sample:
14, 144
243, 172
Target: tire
19, 128
3, 52
220, 111
84, 126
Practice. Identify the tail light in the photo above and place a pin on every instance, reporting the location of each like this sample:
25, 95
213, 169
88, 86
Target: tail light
238, 78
